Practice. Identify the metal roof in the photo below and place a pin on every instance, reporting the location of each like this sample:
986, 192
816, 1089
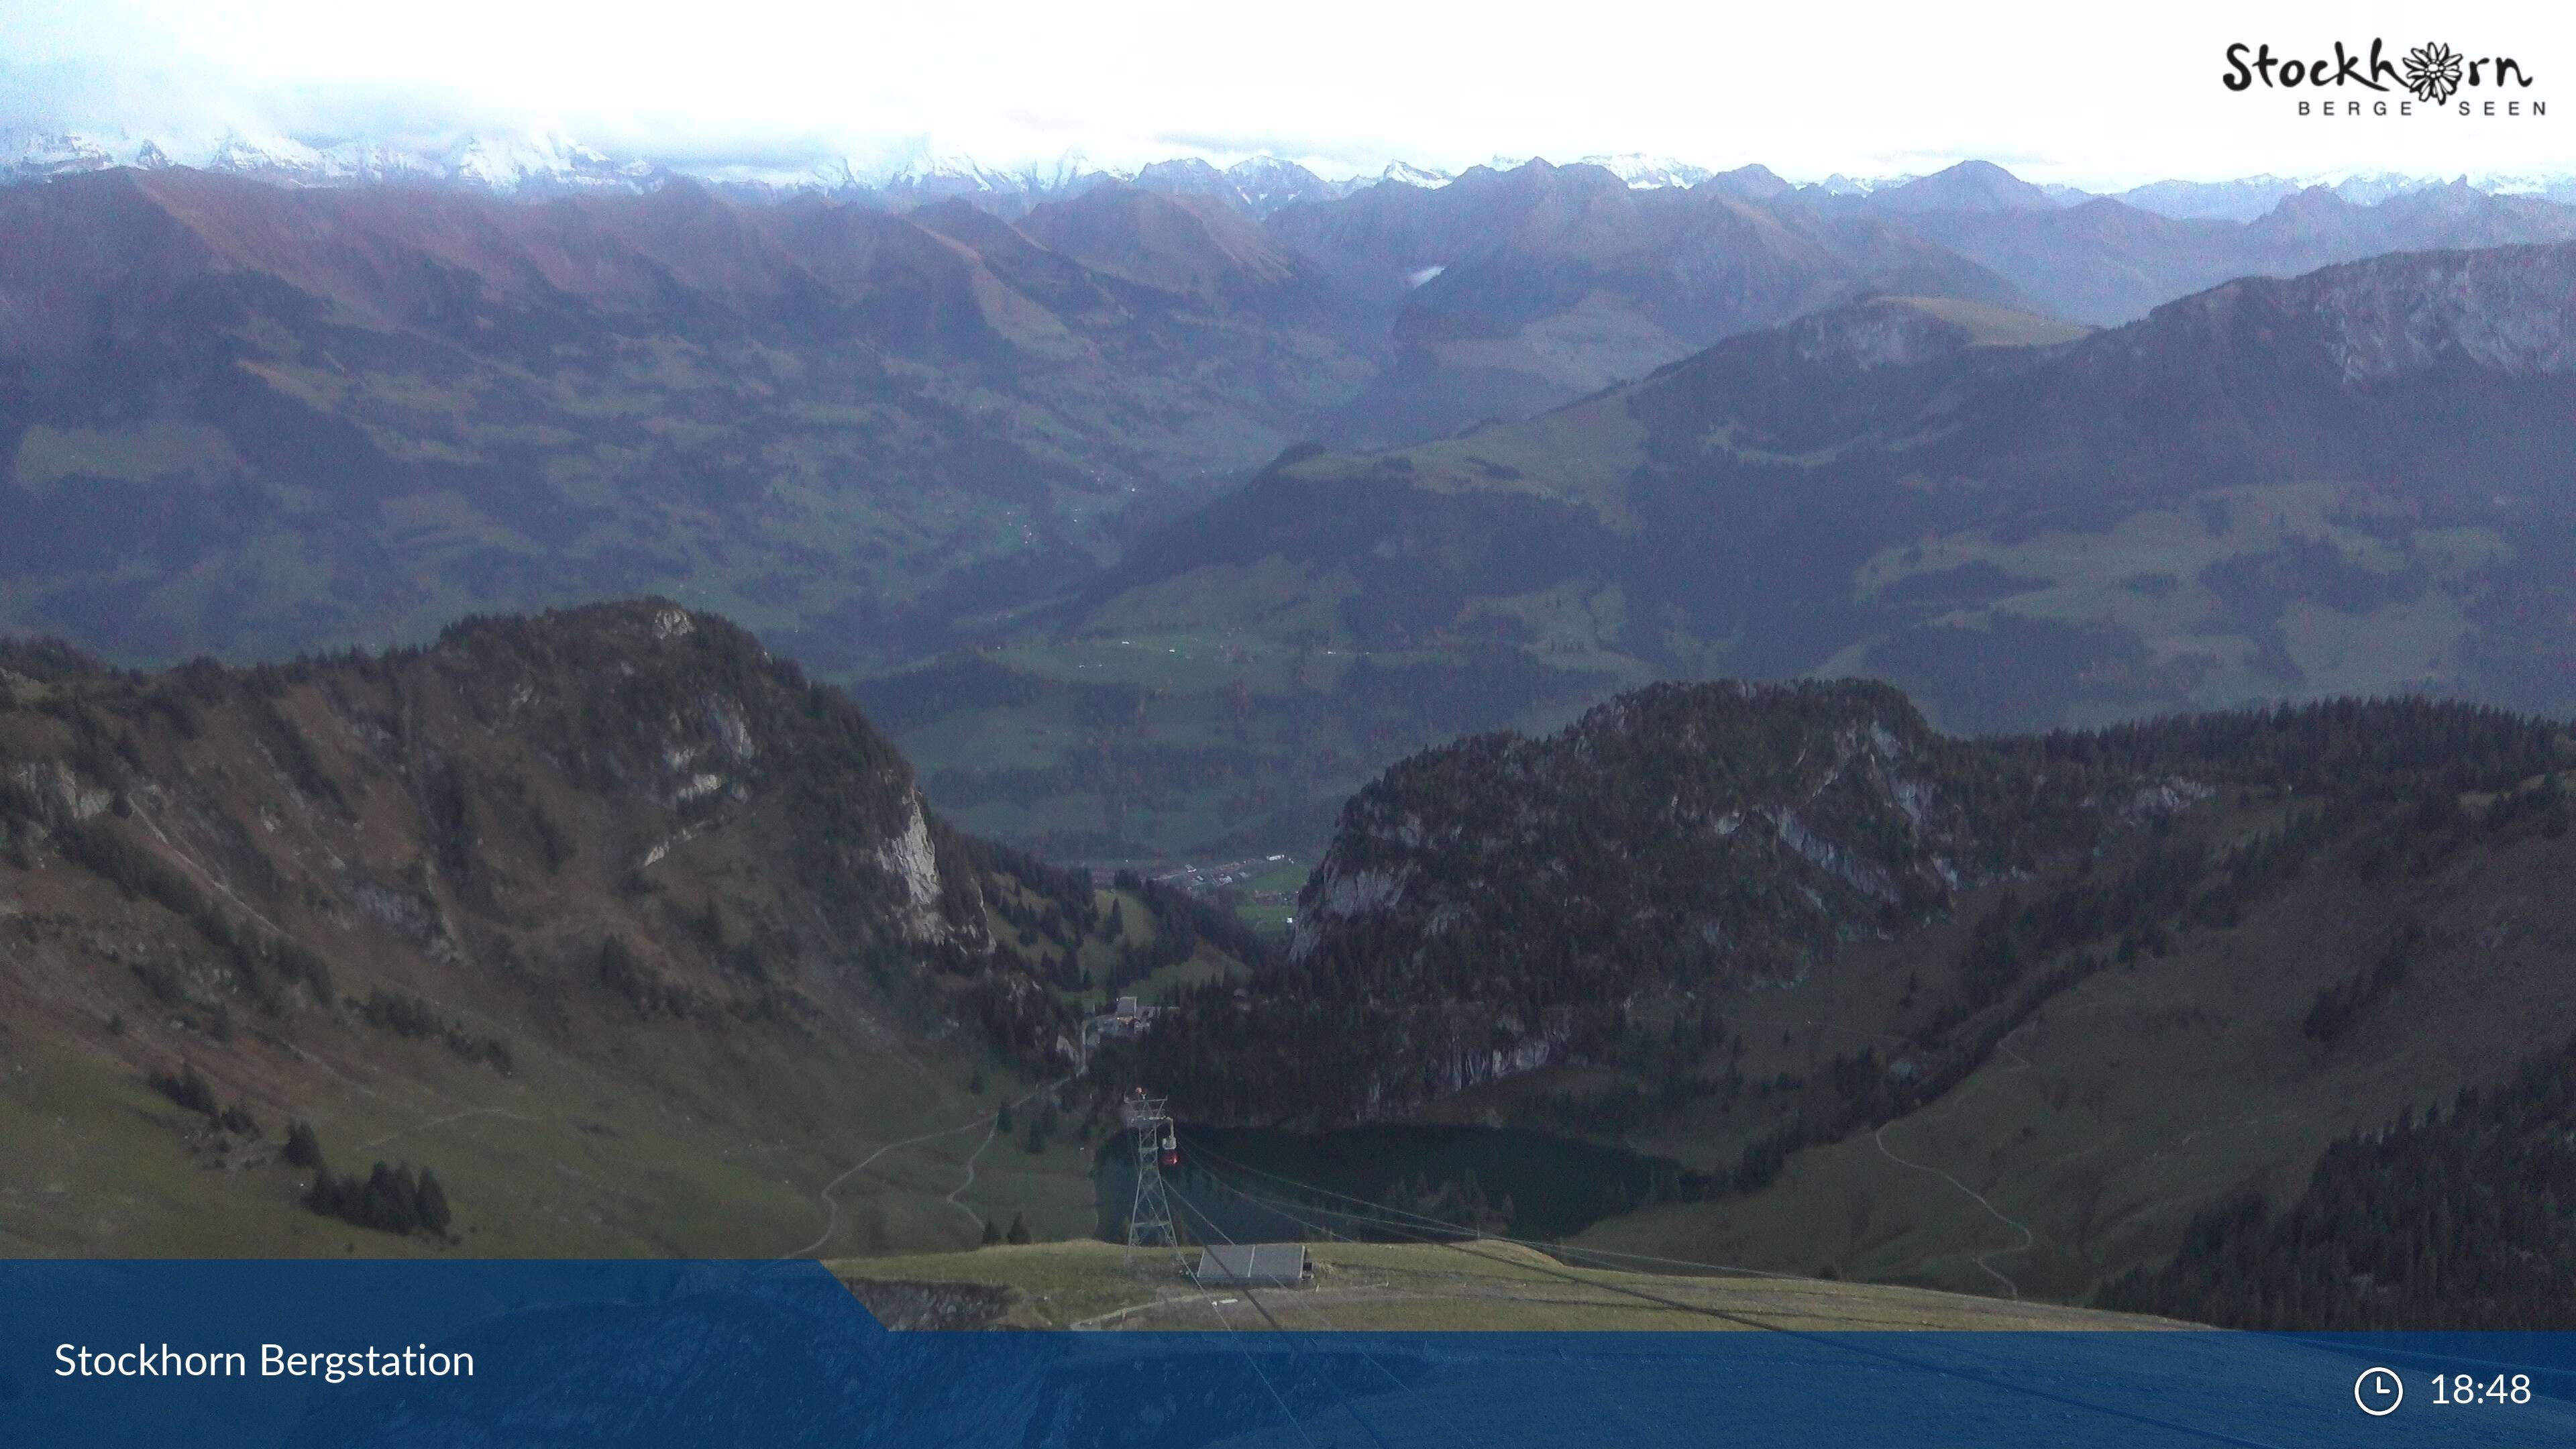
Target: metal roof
1258, 1265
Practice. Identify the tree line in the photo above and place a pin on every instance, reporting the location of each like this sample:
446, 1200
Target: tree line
2462, 1219
389, 1199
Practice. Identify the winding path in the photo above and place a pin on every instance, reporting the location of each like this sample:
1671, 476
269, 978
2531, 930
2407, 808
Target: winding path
1024, 1099
1818, 1025
443, 1121
958, 1191
990, 1122
832, 1205
2004, 1044
2029, 1240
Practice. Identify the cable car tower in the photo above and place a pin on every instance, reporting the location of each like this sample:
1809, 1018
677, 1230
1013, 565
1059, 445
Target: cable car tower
1149, 1217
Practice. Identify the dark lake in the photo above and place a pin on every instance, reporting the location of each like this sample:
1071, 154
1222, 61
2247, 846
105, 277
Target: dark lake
1270, 1184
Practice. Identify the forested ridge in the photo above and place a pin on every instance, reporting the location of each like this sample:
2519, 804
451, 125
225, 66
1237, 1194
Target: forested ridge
1506, 903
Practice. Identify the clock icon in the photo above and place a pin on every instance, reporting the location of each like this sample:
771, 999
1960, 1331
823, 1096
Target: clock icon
2378, 1391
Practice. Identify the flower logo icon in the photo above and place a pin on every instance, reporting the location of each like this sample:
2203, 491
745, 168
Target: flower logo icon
2433, 72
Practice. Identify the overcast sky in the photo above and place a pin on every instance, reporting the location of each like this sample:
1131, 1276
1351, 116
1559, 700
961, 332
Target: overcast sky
2094, 96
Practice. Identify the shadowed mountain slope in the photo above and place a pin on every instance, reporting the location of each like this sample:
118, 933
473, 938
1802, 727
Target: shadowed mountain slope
248, 418
632, 936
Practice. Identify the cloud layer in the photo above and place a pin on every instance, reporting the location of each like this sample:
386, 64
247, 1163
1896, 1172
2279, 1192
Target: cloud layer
1344, 87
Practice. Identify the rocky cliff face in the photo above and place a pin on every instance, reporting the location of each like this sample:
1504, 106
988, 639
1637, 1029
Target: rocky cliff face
2511, 310
1875, 334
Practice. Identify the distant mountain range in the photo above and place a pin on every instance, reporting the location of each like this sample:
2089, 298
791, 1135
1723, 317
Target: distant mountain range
236, 406
2350, 482
2104, 261
549, 163
245, 419
2163, 514
502, 165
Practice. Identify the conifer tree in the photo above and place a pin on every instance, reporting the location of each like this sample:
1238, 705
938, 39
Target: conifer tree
430, 1203
323, 1197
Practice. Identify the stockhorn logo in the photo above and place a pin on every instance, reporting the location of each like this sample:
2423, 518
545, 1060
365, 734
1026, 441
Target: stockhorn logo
2433, 72
2432, 76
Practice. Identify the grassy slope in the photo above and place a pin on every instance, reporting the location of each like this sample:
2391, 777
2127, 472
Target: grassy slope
2148, 575
2138, 1097
668, 1151
1548, 1394
1491, 1286
1247, 661
617, 1137
1993, 326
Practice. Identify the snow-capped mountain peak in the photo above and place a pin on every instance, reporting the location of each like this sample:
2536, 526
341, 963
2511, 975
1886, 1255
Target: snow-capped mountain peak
45, 154
2372, 188
1404, 173
1649, 173
1266, 183
496, 163
1840, 185
506, 164
280, 157
938, 175
1063, 172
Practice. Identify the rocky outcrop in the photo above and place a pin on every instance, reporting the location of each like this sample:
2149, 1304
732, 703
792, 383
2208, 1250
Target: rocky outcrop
908, 1304
913, 862
1883, 333
2506, 310
2511, 310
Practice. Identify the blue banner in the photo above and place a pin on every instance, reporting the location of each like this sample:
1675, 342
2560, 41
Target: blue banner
655, 1354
